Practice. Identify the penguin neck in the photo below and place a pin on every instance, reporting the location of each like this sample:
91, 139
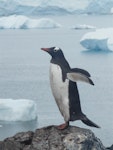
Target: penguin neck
64, 65
61, 61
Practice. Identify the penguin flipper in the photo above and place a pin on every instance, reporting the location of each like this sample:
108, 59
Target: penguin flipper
82, 71
76, 76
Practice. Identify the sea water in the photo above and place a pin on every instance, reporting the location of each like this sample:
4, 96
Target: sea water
24, 73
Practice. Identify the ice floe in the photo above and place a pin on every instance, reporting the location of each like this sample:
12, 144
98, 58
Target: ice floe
23, 22
111, 10
17, 110
83, 26
101, 39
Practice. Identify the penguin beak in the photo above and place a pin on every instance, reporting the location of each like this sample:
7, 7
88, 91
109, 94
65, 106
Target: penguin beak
45, 49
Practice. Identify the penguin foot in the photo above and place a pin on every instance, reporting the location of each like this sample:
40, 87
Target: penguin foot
63, 126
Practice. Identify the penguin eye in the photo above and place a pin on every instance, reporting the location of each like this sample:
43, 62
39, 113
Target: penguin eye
56, 49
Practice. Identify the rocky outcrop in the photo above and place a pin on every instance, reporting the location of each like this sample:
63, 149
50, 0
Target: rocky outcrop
50, 138
110, 148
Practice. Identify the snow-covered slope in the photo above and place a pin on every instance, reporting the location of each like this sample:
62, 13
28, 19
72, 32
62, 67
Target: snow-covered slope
23, 22
17, 110
54, 7
101, 39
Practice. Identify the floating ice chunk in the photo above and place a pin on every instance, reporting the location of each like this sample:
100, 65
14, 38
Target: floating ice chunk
17, 110
83, 26
110, 43
101, 39
23, 22
42, 23
111, 10
13, 22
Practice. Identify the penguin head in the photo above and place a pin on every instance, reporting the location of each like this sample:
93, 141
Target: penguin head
55, 52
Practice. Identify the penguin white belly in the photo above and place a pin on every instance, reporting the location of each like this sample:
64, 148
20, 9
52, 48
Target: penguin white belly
60, 90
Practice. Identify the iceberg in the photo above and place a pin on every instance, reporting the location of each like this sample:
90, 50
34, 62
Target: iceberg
101, 39
111, 10
17, 110
23, 22
83, 26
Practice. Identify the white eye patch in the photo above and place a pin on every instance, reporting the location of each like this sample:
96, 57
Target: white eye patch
56, 48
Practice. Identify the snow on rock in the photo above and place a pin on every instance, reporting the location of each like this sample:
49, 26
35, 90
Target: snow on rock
83, 26
101, 39
23, 22
17, 110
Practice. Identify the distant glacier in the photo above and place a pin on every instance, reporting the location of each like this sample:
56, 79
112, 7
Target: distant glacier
54, 7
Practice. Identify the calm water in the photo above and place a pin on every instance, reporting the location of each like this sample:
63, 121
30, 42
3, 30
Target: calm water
24, 73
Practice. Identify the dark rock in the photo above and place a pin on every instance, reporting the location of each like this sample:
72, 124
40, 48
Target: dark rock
110, 148
50, 138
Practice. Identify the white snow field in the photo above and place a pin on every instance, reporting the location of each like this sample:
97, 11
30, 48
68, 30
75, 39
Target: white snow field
17, 110
23, 22
101, 39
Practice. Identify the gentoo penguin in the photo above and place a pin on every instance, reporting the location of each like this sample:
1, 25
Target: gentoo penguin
63, 80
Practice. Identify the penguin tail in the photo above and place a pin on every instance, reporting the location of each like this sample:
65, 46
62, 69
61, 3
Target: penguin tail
88, 122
